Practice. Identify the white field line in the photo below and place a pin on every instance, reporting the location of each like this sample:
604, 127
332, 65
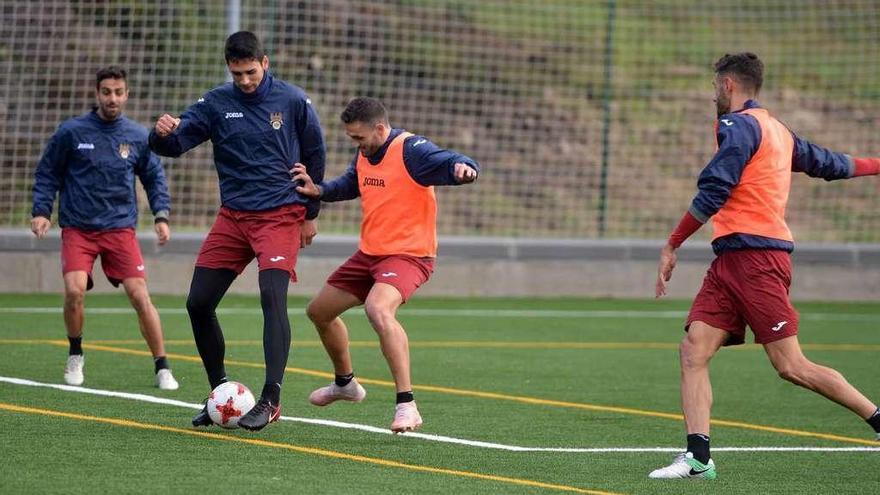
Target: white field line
458, 313
428, 437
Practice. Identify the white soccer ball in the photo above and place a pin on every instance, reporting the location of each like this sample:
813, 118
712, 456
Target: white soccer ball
228, 403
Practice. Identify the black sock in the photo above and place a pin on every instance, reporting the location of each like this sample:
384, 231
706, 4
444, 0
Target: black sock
874, 420
161, 363
272, 393
207, 288
404, 397
276, 326
343, 380
698, 444
75, 346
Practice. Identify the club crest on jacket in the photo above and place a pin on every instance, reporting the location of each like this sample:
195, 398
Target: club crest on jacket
276, 120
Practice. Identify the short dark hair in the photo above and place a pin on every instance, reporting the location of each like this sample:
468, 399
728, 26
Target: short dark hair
243, 45
746, 67
111, 72
364, 109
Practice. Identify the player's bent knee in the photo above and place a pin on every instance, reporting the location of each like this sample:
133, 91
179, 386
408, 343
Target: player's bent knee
316, 314
197, 306
379, 315
790, 374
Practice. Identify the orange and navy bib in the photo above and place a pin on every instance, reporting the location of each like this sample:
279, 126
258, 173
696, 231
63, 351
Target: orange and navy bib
756, 205
399, 214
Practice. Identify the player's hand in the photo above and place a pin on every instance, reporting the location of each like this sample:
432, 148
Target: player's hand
308, 232
306, 186
40, 225
163, 232
664, 270
464, 174
166, 125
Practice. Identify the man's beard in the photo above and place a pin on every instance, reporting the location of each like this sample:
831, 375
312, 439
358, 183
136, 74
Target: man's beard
722, 105
110, 113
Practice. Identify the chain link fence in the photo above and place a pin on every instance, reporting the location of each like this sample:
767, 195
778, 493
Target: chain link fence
591, 119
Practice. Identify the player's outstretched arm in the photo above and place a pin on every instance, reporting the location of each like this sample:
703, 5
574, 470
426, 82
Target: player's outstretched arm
166, 125
823, 163
431, 165
162, 139
173, 136
866, 166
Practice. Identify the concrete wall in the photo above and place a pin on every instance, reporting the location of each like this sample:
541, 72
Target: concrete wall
474, 267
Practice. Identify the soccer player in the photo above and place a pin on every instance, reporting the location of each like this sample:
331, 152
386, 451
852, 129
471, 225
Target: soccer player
259, 126
393, 173
744, 189
93, 160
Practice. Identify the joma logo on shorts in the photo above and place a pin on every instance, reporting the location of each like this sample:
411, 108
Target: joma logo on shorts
372, 181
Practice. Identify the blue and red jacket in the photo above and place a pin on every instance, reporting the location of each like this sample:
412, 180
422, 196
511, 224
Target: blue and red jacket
257, 139
93, 163
739, 139
427, 164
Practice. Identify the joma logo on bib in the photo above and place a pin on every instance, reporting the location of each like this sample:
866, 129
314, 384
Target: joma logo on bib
372, 181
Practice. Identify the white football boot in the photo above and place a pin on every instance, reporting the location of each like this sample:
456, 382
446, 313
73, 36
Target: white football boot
73, 370
165, 380
331, 393
685, 466
406, 418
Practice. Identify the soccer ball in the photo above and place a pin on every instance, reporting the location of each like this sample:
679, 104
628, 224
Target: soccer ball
228, 403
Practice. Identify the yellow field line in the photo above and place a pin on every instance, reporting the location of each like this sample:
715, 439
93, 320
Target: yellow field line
460, 344
303, 450
496, 396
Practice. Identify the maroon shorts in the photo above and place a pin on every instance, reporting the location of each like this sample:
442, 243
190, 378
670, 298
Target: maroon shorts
748, 287
360, 272
118, 248
237, 237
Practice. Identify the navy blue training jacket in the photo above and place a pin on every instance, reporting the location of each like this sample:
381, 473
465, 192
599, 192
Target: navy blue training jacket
739, 136
93, 163
427, 164
257, 139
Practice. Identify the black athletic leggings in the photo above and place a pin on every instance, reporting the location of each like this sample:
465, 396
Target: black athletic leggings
208, 287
